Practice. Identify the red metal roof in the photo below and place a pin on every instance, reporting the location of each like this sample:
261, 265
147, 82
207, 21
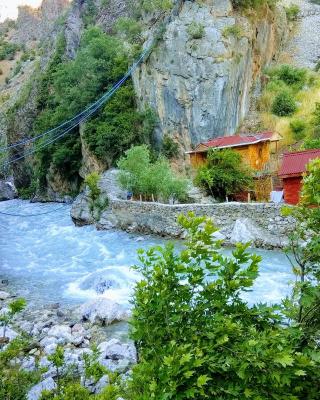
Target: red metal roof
295, 163
238, 140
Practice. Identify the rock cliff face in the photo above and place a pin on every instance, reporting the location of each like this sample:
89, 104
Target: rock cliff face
200, 87
36, 24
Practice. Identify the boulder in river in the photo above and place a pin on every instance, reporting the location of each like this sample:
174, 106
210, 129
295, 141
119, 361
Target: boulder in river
4, 295
7, 190
103, 311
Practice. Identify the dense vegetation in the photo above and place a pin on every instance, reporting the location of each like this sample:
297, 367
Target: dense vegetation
224, 174
7, 50
196, 336
67, 87
150, 180
289, 104
255, 4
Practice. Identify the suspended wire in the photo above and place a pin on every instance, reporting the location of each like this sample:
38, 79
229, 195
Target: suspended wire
47, 143
90, 110
31, 215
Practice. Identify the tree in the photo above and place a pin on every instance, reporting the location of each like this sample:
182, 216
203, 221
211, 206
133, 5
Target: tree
150, 180
15, 307
305, 247
224, 174
196, 336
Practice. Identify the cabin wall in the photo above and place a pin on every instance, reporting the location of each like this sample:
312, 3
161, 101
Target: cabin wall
292, 188
198, 159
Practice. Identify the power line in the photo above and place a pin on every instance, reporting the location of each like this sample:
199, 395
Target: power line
84, 115
31, 215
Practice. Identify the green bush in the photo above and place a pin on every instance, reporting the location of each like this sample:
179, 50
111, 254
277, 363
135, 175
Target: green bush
298, 128
150, 180
8, 50
254, 4
224, 174
292, 12
14, 382
131, 28
155, 5
291, 76
284, 104
233, 31
311, 144
67, 87
170, 148
198, 339
92, 181
196, 30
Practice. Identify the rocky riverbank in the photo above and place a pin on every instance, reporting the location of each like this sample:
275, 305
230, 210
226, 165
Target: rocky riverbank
76, 330
259, 223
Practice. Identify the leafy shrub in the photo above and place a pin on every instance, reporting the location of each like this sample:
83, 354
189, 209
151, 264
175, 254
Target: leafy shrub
170, 148
150, 180
224, 174
67, 87
254, 4
7, 50
118, 127
291, 76
155, 5
292, 12
196, 336
298, 128
233, 31
284, 104
14, 382
311, 144
92, 180
196, 30
131, 28
14, 307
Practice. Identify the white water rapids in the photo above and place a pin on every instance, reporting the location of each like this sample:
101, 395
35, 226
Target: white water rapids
46, 259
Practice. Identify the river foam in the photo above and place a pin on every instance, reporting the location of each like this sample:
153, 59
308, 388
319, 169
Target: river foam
47, 259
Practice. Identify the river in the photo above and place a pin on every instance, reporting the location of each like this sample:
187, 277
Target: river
46, 259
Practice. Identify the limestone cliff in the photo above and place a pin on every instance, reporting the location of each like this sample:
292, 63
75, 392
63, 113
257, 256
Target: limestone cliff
201, 87
198, 83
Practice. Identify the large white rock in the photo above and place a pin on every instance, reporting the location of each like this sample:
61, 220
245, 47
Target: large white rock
117, 356
35, 392
244, 231
7, 190
61, 332
4, 295
103, 311
9, 333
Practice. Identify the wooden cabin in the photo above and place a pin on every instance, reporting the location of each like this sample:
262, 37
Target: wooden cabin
256, 149
292, 170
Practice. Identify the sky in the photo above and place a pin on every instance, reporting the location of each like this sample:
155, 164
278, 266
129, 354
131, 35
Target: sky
9, 8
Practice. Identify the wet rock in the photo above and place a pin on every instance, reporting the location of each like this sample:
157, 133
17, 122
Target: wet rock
101, 384
245, 230
8, 333
28, 364
50, 349
61, 332
117, 356
103, 311
4, 295
7, 191
47, 384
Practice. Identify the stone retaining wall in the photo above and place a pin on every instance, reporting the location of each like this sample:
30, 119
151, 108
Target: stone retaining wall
260, 223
